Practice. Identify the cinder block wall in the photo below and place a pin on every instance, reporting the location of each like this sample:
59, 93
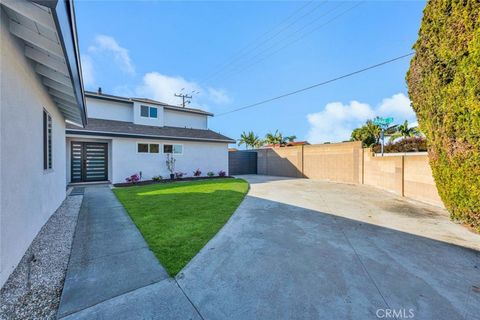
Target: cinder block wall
340, 162
418, 180
283, 162
383, 172
405, 175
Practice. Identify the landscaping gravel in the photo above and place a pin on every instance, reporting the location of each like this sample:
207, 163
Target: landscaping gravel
33, 290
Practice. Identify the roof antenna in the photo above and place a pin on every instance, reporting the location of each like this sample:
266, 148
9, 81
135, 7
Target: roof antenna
99, 90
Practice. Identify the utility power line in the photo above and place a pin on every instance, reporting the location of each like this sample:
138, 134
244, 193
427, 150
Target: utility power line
185, 98
245, 51
316, 85
261, 58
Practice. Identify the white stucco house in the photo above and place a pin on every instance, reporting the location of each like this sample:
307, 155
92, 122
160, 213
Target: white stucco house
41, 88
47, 141
124, 136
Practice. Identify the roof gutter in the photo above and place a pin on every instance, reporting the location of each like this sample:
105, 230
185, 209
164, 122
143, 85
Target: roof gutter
143, 136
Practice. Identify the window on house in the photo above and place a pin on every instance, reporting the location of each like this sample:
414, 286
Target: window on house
173, 148
153, 112
142, 148
177, 149
47, 141
148, 148
154, 148
148, 112
144, 111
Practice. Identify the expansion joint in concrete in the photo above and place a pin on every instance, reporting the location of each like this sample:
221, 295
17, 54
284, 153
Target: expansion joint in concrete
189, 300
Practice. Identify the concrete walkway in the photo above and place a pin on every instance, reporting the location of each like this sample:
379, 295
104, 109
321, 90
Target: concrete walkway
112, 274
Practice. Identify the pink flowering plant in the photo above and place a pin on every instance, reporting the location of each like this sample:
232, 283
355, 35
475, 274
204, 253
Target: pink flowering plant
197, 173
134, 178
179, 175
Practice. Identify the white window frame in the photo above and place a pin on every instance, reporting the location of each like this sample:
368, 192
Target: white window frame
148, 116
148, 145
173, 144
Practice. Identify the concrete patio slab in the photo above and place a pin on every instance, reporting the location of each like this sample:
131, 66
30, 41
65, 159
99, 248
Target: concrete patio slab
294, 249
162, 300
304, 249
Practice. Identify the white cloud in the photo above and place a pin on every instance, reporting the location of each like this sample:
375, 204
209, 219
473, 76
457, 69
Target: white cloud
154, 85
108, 45
397, 106
218, 96
337, 120
87, 70
161, 87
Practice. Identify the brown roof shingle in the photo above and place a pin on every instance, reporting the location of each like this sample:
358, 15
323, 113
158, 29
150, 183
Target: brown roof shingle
128, 129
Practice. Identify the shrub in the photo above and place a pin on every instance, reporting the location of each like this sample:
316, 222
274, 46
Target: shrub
170, 162
134, 178
197, 173
444, 86
222, 173
210, 174
157, 178
412, 144
179, 175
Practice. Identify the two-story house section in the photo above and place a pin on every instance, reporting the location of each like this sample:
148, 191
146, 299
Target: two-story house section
125, 136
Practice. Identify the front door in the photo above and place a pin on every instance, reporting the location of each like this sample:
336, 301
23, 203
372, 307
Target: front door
89, 161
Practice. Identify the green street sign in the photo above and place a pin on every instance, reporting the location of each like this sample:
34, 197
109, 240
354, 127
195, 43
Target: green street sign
383, 122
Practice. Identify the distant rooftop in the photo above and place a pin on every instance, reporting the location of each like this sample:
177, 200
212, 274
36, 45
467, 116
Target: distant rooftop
104, 96
288, 144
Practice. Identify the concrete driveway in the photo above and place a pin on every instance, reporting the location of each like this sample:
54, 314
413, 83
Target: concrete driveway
303, 249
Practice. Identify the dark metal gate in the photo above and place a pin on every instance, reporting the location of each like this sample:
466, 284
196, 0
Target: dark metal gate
89, 161
242, 162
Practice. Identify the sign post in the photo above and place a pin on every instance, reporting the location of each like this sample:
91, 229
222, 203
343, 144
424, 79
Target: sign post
383, 123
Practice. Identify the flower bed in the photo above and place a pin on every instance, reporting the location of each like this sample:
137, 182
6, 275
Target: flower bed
146, 182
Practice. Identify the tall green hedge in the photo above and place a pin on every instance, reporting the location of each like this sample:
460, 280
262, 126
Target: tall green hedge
444, 86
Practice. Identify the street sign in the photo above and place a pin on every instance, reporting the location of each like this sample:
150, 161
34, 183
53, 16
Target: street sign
383, 122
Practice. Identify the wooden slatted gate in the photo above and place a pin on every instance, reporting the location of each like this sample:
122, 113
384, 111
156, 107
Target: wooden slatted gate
89, 161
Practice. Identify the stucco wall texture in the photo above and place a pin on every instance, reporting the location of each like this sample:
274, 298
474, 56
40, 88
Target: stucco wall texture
29, 195
405, 175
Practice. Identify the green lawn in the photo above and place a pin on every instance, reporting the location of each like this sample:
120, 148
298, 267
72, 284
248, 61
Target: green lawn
177, 219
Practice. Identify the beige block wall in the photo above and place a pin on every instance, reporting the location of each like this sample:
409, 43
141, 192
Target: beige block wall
383, 172
340, 162
285, 162
405, 175
418, 180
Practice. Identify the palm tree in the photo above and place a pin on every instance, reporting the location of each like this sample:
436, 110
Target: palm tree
257, 143
290, 138
272, 138
369, 134
403, 131
277, 138
250, 139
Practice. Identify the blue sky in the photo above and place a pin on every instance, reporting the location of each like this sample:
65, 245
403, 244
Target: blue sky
238, 53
